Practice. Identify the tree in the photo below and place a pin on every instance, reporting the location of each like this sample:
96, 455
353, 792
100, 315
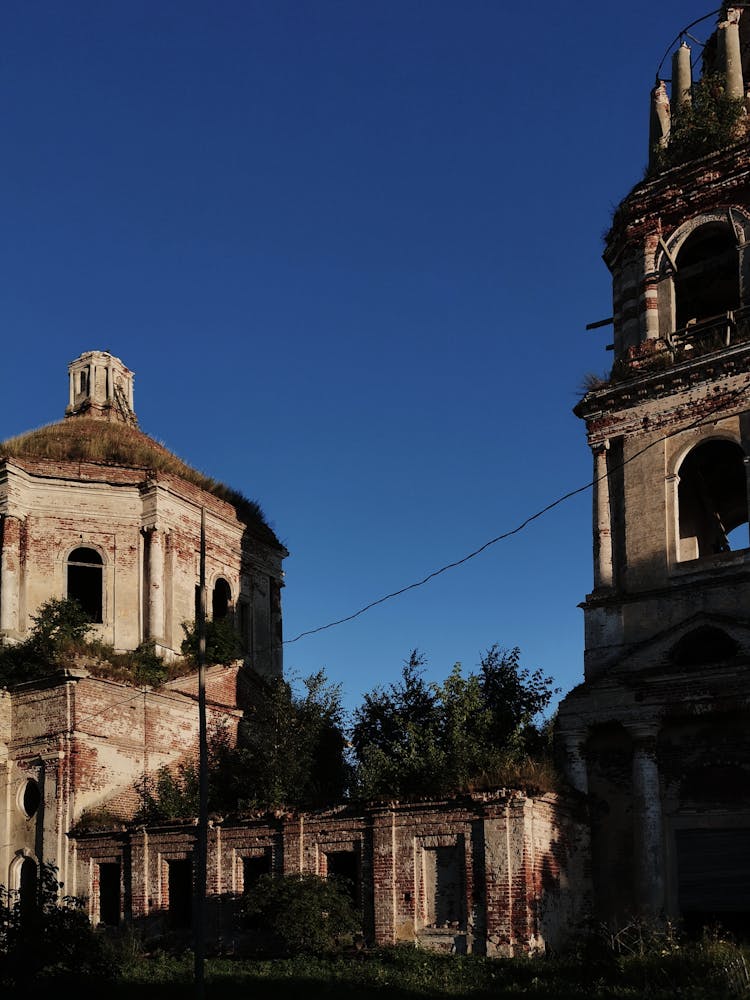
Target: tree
395, 735
222, 642
290, 751
291, 746
416, 739
516, 699
59, 625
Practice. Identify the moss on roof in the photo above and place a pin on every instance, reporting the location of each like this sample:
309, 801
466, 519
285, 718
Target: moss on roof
86, 439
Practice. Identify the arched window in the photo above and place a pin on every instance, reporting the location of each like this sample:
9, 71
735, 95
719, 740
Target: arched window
707, 281
85, 580
221, 599
712, 500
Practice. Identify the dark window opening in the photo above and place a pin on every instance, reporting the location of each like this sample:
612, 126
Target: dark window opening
109, 894
344, 867
253, 867
707, 280
715, 785
28, 890
31, 799
714, 879
180, 894
221, 599
712, 500
85, 578
703, 645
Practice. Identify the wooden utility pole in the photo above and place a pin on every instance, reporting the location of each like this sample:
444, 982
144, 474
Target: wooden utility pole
201, 866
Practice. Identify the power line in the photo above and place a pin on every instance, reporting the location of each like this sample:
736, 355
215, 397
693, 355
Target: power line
701, 421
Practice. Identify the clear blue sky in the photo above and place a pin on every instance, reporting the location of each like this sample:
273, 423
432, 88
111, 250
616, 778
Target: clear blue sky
350, 250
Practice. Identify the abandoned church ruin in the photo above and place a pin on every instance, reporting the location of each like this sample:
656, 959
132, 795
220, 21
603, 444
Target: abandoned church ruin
655, 744
94, 509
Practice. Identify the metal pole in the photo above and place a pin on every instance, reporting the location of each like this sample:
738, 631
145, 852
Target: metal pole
202, 845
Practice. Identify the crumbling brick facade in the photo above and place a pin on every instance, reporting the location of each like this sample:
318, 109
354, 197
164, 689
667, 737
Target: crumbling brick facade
657, 733
489, 874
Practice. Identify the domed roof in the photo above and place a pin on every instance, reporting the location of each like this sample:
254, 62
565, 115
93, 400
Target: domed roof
89, 439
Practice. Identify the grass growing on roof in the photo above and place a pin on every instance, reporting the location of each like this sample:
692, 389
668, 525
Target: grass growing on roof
86, 439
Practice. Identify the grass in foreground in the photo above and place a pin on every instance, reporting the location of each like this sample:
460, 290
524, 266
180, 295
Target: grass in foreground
709, 970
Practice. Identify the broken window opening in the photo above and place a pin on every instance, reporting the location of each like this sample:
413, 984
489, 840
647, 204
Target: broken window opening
344, 867
109, 893
180, 893
85, 579
712, 499
253, 868
444, 887
221, 599
28, 890
707, 281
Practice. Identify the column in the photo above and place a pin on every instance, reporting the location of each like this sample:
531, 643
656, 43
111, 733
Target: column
156, 585
602, 521
10, 574
682, 78
660, 118
647, 815
730, 57
574, 741
384, 877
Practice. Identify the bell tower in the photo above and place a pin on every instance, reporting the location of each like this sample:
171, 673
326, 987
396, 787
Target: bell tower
658, 734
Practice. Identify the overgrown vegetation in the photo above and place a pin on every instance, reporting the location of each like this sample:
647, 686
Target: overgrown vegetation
49, 937
86, 439
413, 739
712, 968
304, 914
419, 739
222, 642
59, 638
712, 121
59, 632
289, 753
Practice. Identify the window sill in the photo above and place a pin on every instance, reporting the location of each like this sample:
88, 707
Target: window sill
704, 564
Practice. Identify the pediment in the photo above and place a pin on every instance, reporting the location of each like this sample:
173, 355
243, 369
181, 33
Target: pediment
700, 638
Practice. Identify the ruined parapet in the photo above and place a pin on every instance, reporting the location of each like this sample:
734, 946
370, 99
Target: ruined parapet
694, 118
100, 386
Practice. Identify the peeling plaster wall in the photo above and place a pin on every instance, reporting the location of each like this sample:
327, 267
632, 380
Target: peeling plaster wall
146, 529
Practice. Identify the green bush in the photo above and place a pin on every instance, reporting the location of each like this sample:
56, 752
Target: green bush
49, 937
299, 915
222, 642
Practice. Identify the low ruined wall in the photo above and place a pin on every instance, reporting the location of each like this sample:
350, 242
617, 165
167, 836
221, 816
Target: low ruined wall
501, 873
